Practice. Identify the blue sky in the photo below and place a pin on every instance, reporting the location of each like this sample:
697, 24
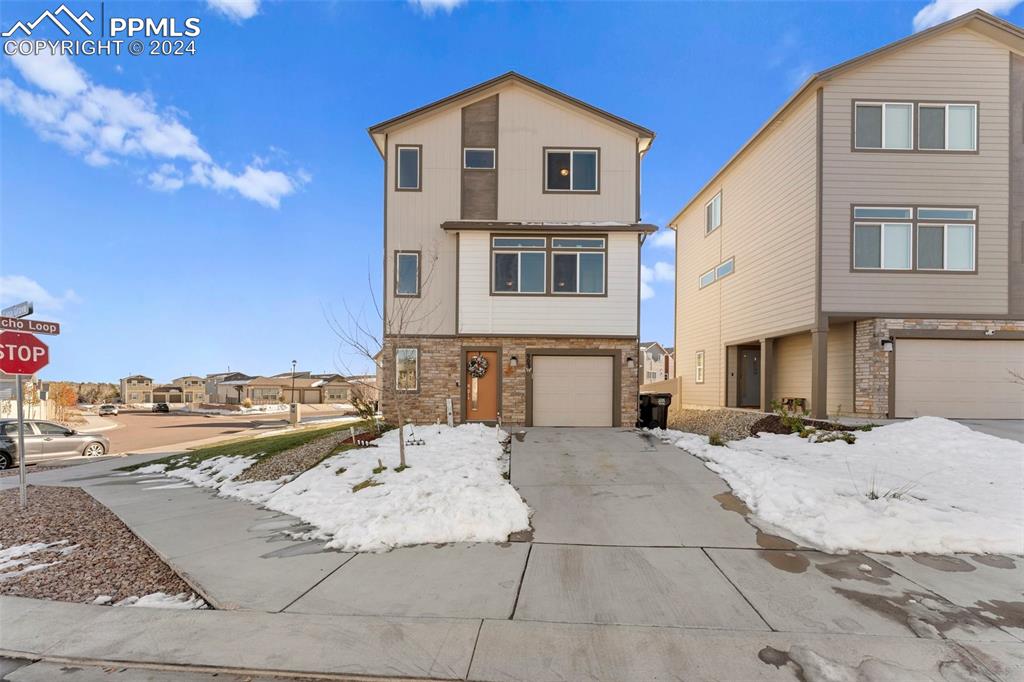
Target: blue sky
246, 196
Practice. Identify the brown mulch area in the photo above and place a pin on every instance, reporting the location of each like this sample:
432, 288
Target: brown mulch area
31, 468
109, 560
295, 461
773, 424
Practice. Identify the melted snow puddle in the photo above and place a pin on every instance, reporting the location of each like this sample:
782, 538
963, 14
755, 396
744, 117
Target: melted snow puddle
811, 666
14, 561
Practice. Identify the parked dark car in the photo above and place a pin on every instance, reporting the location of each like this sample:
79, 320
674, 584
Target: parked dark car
161, 407
47, 438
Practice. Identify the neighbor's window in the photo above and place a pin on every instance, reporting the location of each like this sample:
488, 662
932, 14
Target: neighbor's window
713, 214
707, 278
478, 158
407, 273
946, 246
884, 125
407, 369
724, 269
408, 170
698, 373
519, 265
950, 127
571, 170
577, 265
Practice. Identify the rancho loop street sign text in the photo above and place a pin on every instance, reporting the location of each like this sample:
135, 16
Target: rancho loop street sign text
22, 354
31, 326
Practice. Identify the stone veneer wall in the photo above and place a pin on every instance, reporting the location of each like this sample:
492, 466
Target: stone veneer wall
441, 372
871, 363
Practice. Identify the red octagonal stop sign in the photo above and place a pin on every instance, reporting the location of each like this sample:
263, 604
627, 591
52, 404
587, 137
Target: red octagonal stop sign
22, 353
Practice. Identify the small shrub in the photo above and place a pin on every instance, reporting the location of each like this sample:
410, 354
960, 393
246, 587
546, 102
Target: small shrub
380, 468
340, 471
247, 403
864, 427
716, 440
807, 432
831, 436
400, 468
368, 483
790, 420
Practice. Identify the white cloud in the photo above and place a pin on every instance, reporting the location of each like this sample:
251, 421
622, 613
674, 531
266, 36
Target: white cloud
104, 125
428, 7
664, 272
664, 238
938, 11
236, 10
17, 288
646, 277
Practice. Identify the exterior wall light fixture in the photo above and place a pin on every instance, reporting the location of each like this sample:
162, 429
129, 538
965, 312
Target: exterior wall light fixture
513, 361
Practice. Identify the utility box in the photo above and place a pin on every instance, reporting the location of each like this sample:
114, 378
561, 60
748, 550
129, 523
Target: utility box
294, 413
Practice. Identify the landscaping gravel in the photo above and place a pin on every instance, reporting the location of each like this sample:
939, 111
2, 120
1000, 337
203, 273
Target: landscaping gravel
295, 461
98, 555
729, 424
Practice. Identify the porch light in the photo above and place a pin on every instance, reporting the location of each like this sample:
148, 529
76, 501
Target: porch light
513, 361
630, 363
887, 345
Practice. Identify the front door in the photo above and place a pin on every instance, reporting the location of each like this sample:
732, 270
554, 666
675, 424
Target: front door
481, 384
750, 377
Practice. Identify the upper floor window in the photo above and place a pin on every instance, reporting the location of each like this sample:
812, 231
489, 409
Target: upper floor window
723, 269
408, 168
478, 158
577, 265
950, 127
519, 265
713, 214
884, 125
571, 170
407, 273
908, 238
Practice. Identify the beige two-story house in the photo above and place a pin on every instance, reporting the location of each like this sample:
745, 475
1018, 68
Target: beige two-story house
512, 242
863, 252
136, 388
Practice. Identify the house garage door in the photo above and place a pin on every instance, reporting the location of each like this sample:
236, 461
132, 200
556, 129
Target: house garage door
965, 379
571, 390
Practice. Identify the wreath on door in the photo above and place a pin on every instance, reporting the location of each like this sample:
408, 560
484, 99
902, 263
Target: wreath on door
477, 366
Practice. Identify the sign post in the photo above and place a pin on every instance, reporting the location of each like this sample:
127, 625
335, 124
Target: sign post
23, 354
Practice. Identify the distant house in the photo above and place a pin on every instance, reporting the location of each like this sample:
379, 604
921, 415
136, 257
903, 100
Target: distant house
136, 388
167, 393
192, 387
222, 387
658, 363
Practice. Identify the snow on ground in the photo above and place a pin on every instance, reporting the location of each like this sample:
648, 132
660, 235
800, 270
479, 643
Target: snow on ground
927, 485
158, 600
273, 408
453, 491
14, 561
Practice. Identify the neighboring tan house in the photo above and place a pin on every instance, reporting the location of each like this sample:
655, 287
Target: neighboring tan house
512, 238
862, 253
168, 393
136, 389
658, 364
193, 388
222, 387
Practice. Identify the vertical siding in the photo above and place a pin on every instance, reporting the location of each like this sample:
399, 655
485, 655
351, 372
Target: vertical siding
793, 368
528, 122
960, 66
611, 315
840, 369
769, 227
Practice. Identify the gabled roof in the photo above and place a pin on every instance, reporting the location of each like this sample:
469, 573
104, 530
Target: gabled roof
377, 131
977, 20
137, 376
647, 345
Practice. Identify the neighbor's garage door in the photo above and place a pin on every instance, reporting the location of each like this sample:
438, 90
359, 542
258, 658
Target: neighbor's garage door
965, 379
570, 390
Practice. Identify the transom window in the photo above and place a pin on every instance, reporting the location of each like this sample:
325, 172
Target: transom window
521, 265
478, 158
950, 127
713, 214
922, 238
407, 369
408, 168
884, 125
571, 170
407, 273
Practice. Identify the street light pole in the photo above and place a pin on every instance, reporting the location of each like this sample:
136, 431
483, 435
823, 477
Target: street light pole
293, 382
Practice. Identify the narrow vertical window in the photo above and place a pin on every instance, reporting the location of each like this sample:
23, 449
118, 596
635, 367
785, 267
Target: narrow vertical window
698, 373
713, 214
407, 172
407, 273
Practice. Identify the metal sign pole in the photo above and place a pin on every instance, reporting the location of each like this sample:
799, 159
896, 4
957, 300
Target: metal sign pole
21, 444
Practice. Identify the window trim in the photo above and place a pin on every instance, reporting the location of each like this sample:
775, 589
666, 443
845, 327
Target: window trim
419, 168
714, 271
549, 264
419, 274
915, 127
914, 222
708, 230
518, 252
699, 367
544, 170
416, 372
945, 245
945, 106
881, 224
494, 158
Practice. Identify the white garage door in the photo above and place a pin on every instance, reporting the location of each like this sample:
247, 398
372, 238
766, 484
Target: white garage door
571, 390
959, 378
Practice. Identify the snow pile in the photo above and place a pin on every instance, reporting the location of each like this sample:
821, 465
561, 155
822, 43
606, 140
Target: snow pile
453, 491
926, 485
159, 600
14, 560
272, 408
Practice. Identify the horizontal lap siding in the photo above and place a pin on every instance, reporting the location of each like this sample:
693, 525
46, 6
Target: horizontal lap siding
957, 66
793, 367
840, 369
611, 315
768, 226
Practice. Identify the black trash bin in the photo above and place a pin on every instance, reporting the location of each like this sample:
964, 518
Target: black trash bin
654, 410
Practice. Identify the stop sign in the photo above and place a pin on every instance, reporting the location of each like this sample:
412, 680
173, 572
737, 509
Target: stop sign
22, 353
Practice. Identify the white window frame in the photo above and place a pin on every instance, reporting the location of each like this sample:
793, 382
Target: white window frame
945, 246
398, 167
881, 247
416, 371
398, 271
494, 158
519, 270
945, 142
698, 369
572, 168
716, 212
885, 107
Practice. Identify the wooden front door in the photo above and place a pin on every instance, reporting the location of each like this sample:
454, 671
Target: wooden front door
481, 393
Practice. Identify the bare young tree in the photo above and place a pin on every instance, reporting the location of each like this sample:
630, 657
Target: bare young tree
398, 319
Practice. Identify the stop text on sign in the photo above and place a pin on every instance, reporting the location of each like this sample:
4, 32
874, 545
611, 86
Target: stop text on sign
22, 353
15, 324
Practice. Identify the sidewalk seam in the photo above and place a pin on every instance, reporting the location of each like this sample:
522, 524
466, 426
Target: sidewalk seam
736, 587
317, 583
522, 579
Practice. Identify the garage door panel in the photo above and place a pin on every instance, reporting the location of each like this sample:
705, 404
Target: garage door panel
572, 390
958, 378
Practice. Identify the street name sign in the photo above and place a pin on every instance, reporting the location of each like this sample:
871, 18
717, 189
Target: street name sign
22, 354
22, 309
15, 324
